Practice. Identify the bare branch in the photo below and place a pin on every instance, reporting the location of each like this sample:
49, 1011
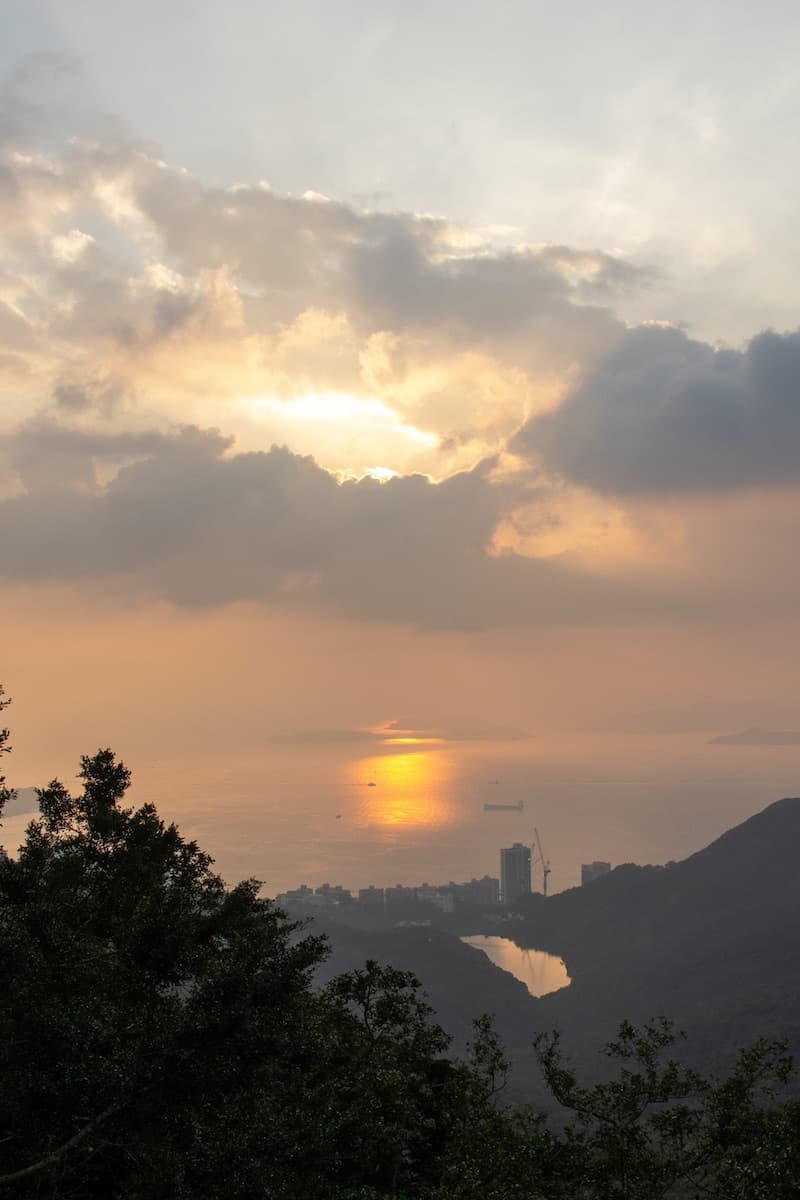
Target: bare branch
54, 1156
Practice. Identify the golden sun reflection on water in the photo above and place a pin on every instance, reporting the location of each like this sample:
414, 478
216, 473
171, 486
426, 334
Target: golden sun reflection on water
541, 973
404, 791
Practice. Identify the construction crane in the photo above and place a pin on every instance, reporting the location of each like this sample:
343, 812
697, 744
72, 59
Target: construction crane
538, 857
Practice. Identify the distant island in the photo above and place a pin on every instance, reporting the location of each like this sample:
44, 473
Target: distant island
755, 736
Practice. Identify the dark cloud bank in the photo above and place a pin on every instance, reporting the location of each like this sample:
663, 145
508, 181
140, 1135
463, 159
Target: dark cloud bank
189, 521
667, 414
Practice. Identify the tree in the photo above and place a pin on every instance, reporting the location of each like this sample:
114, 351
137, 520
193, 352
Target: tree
658, 1129
6, 793
752, 1143
162, 1037
149, 1007
495, 1151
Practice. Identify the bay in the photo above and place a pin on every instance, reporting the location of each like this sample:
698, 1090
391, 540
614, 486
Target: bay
541, 973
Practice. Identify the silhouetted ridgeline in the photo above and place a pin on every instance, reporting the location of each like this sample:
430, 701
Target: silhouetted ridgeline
711, 942
459, 981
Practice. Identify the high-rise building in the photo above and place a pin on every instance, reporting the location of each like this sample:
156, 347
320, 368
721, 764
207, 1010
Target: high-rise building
515, 872
592, 871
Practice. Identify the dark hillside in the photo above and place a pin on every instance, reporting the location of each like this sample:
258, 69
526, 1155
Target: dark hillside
460, 982
737, 884
712, 942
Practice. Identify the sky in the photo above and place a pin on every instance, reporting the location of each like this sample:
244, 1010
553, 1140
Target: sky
404, 384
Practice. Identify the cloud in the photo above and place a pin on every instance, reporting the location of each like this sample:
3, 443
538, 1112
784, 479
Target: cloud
456, 733
49, 457
400, 281
696, 718
390, 732
128, 278
758, 737
135, 300
185, 519
324, 737
398, 271
24, 801
668, 414
23, 110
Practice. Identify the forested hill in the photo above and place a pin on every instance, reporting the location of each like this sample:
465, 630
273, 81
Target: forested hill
712, 940
744, 886
460, 982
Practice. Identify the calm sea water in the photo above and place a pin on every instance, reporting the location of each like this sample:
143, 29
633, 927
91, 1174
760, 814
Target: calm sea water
413, 814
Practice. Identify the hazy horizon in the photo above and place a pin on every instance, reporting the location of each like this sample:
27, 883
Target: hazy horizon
287, 819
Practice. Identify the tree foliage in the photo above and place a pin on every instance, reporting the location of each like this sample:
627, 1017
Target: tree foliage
6, 793
163, 1038
657, 1129
142, 992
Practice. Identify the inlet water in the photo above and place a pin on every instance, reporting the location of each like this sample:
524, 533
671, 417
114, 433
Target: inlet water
540, 972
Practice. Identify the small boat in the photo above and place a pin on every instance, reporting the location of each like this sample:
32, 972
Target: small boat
503, 807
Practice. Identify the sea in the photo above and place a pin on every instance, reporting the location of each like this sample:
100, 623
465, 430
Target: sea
415, 813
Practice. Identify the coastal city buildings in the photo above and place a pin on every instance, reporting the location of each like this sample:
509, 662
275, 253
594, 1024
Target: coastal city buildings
399, 899
447, 897
515, 872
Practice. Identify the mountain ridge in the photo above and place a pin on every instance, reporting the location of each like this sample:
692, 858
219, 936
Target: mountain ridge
710, 942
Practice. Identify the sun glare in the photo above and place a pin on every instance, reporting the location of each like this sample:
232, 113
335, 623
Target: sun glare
413, 741
382, 474
404, 790
364, 413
